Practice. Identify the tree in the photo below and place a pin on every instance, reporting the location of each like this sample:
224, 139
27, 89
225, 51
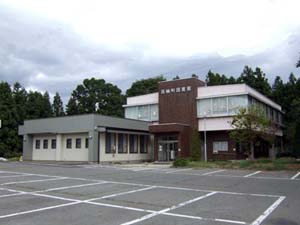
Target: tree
96, 96
57, 106
298, 63
255, 79
176, 78
19, 95
195, 146
38, 105
217, 79
144, 86
10, 144
250, 125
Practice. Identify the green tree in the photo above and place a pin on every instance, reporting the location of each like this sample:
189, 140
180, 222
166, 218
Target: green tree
195, 146
46, 106
96, 96
250, 125
217, 79
38, 105
144, 86
19, 95
57, 106
9, 140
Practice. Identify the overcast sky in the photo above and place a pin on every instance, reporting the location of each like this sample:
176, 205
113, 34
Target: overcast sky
54, 44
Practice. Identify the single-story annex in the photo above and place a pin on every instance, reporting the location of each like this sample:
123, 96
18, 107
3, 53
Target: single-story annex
157, 126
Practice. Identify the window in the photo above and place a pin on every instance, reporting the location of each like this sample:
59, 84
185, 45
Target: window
37, 144
236, 102
122, 143
204, 107
154, 112
219, 105
78, 142
143, 112
86, 143
188, 88
131, 112
53, 143
45, 144
69, 143
162, 91
178, 89
167, 91
143, 144
133, 143
172, 90
220, 146
183, 89
110, 143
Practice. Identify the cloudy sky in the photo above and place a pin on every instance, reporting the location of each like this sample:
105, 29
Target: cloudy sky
54, 44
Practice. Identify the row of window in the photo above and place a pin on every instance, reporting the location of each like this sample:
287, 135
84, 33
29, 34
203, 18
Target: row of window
231, 104
221, 105
69, 143
121, 143
45, 144
142, 112
173, 90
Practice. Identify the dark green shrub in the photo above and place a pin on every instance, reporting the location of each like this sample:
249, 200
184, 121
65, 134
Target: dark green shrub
180, 162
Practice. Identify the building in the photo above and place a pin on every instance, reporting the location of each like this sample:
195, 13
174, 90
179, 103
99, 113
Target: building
157, 126
181, 106
90, 137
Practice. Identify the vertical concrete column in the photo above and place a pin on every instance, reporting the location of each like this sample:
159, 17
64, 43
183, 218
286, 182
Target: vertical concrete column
93, 146
59, 146
27, 147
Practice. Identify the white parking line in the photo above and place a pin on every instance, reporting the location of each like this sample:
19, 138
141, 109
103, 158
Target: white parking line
21, 175
252, 174
168, 209
69, 187
294, 177
32, 181
213, 172
180, 170
38, 210
266, 213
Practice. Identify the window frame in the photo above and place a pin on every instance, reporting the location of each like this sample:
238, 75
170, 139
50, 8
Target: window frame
135, 149
219, 145
78, 143
45, 143
69, 143
53, 143
144, 148
86, 144
39, 144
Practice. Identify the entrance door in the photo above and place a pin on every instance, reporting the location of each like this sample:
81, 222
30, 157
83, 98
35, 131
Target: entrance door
167, 150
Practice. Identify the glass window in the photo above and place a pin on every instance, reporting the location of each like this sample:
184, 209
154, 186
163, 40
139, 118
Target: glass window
167, 91
122, 143
53, 143
45, 144
133, 143
188, 88
143, 112
204, 107
178, 89
154, 112
86, 143
69, 143
162, 91
78, 142
110, 143
183, 89
219, 105
220, 146
143, 144
131, 112
236, 102
172, 90
37, 144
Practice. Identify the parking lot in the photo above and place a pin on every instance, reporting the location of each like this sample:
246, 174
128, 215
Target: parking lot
93, 194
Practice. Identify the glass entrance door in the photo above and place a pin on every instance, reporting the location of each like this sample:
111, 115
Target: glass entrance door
167, 150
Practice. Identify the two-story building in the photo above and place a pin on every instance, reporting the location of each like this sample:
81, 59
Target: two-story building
156, 126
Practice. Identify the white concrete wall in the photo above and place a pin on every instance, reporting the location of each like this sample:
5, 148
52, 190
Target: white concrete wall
43, 154
143, 99
214, 124
234, 89
109, 157
74, 154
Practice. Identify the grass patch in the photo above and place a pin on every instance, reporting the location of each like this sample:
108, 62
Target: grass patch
259, 164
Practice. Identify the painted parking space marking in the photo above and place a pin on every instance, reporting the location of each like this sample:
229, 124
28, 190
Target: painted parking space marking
34, 181
213, 172
266, 213
145, 187
295, 176
21, 175
252, 174
179, 170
